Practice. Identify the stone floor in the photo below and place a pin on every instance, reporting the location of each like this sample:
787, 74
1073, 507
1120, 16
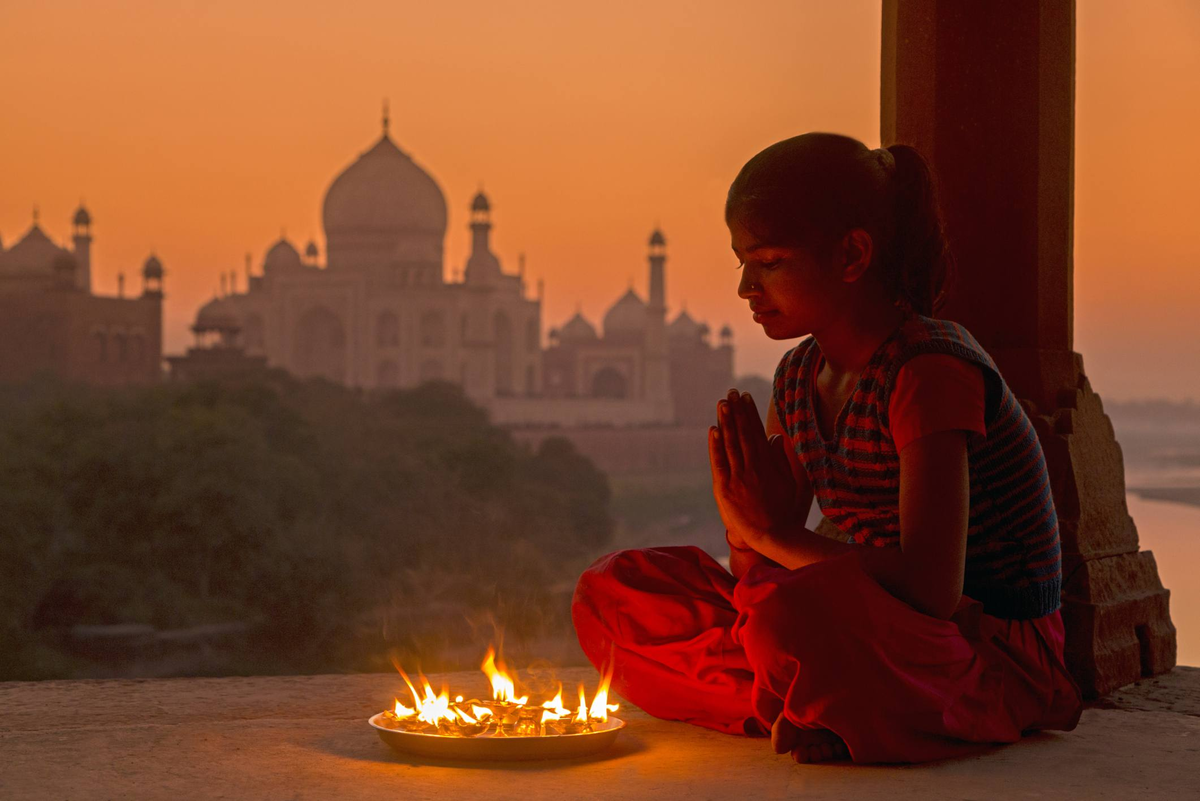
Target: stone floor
307, 738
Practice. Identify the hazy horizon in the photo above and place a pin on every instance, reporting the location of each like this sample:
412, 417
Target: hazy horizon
200, 131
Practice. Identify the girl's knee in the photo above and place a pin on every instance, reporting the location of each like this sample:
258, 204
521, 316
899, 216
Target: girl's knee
792, 612
604, 572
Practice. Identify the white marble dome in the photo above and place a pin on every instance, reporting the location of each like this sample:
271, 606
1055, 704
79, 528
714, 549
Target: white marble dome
383, 206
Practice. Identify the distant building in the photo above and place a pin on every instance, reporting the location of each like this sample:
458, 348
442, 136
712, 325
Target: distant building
52, 323
379, 314
218, 352
638, 355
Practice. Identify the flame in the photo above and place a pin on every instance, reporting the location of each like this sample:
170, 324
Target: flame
506, 715
434, 708
503, 687
555, 705
581, 716
600, 705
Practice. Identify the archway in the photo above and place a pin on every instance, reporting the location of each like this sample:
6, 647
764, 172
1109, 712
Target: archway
320, 350
608, 382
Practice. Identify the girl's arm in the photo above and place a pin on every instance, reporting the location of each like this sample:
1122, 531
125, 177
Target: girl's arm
926, 571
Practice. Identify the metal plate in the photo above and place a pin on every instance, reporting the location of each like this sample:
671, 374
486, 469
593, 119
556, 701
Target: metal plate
490, 747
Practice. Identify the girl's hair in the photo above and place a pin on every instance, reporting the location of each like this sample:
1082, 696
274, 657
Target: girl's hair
810, 190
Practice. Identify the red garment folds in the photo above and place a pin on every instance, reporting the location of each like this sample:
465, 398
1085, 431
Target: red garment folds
826, 645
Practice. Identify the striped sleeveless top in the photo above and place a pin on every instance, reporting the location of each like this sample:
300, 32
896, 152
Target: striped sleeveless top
1013, 563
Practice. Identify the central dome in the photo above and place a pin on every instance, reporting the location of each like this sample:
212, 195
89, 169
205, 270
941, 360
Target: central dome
383, 208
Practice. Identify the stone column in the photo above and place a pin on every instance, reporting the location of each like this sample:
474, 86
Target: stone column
987, 92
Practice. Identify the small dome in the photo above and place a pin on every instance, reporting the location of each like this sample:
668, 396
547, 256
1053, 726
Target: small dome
480, 203
627, 315
657, 238
282, 256
726, 332
82, 217
310, 250
152, 268
215, 316
683, 327
704, 330
577, 328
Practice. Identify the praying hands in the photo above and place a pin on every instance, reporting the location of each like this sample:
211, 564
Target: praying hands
752, 479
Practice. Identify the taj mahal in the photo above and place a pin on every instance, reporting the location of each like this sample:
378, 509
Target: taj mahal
377, 312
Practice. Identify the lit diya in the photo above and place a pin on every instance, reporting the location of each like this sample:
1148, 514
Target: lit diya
507, 726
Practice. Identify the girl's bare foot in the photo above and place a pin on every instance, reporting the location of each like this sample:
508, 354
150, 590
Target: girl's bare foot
806, 745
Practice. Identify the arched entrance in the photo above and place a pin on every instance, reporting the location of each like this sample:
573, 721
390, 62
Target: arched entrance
320, 350
608, 382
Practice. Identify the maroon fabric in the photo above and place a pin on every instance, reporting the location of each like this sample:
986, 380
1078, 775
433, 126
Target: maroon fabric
826, 645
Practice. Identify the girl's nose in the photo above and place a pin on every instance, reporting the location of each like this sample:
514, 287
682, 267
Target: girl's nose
747, 286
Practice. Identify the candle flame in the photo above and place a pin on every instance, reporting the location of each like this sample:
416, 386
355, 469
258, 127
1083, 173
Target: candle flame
600, 705
504, 689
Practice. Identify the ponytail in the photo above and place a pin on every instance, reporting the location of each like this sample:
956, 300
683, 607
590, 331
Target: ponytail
919, 266
811, 189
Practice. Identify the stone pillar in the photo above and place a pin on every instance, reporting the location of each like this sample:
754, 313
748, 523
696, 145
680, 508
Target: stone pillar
987, 92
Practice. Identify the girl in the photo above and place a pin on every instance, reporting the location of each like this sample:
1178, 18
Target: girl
930, 624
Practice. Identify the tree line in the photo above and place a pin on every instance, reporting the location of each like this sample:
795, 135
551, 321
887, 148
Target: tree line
329, 521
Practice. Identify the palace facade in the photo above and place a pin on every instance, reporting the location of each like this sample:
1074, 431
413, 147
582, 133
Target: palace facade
51, 322
377, 312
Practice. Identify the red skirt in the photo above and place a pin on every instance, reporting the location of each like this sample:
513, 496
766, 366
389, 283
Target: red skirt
826, 646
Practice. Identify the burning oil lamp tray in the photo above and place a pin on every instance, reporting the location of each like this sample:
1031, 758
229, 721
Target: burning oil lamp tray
508, 726
493, 747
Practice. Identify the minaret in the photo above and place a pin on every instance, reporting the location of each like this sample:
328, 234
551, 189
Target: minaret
658, 279
152, 277
658, 385
483, 268
82, 227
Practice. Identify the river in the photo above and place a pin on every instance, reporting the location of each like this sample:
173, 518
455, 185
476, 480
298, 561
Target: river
1172, 532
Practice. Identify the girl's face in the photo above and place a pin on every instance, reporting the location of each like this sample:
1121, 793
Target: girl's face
791, 294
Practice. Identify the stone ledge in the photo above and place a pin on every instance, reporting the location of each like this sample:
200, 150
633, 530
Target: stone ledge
306, 737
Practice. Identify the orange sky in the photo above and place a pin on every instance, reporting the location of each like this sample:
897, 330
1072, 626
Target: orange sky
201, 129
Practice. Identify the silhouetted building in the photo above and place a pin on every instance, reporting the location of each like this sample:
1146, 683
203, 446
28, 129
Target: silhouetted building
52, 323
218, 352
640, 356
379, 314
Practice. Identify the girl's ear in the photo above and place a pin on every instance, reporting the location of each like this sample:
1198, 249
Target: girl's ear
857, 249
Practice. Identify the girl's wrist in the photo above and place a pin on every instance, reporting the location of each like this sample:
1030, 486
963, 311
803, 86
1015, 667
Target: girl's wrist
743, 547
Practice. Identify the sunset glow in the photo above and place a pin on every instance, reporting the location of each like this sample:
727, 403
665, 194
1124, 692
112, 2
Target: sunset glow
200, 131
